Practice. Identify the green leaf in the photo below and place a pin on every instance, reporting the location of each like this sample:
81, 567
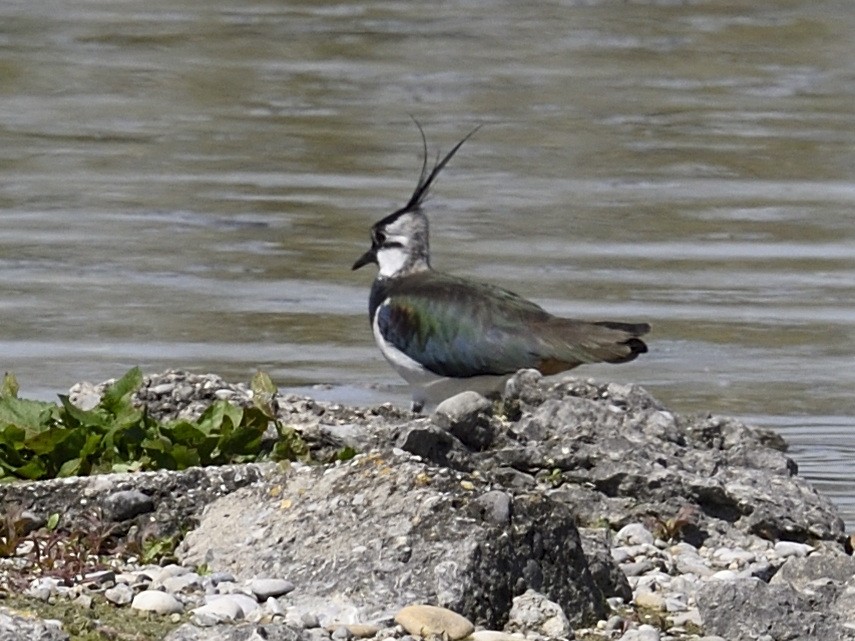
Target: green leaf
52, 522
186, 433
184, 457
70, 468
157, 443
9, 387
116, 398
12, 436
33, 470
23, 412
290, 446
48, 441
221, 416
264, 393
132, 466
345, 454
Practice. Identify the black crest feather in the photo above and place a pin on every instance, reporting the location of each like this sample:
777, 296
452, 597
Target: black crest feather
426, 179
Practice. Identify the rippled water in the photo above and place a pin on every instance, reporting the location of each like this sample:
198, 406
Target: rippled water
186, 185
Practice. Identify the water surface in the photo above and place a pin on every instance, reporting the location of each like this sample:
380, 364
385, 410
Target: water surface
186, 185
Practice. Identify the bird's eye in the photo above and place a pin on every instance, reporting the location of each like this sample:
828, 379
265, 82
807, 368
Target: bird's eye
379, 238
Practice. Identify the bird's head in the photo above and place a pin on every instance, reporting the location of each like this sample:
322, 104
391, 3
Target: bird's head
399, 242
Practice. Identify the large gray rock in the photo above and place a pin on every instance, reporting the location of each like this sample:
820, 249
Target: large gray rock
17, 627
614, 453
748, 609
384, 530
801, 572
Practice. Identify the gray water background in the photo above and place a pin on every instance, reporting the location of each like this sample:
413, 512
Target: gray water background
186, 184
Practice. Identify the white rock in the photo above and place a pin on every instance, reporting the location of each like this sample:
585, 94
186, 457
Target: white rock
157, 601
119, 594
692, 564
222, 610
634, 534
692, 615
676, 603
533, 612
273, 607
246, 603
684, 548
641, 633
724, 575
621, 555
727, 556
685, 584
181, 582
650, 600
159, 575
495, 635
786, 549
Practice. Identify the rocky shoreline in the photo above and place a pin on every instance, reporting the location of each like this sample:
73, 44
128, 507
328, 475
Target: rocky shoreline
574, 509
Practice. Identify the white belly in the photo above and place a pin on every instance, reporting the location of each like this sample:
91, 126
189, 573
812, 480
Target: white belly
427, 387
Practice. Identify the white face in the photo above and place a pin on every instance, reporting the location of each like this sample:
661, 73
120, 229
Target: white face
401, 244
391, 260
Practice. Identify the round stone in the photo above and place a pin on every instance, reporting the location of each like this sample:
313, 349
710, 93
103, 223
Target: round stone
634, 534
157, 601
126, 504
266, 588
119, 594
430, 620
650, 600
245, 602
181, 583
724, 575
222, 610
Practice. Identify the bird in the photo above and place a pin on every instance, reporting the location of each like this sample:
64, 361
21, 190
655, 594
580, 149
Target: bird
445, 334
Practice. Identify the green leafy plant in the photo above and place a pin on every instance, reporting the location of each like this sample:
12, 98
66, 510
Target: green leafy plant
149, 547
44, 440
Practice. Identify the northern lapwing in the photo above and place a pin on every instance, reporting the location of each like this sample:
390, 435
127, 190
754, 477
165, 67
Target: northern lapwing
444, 334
